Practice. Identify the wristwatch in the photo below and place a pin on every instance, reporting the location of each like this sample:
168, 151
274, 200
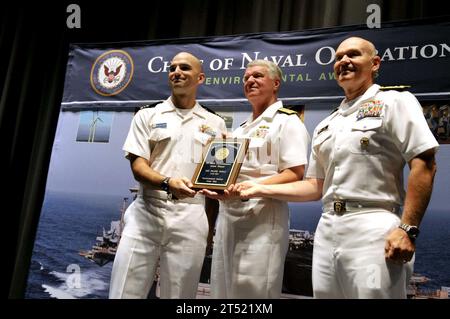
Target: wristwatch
165, 185
411, 231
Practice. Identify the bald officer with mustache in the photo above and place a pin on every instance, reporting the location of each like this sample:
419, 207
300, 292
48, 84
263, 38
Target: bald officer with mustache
365, 241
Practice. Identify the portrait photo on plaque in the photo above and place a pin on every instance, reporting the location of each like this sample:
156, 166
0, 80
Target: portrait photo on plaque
222, 161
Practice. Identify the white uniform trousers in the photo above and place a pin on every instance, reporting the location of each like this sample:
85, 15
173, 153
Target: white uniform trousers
249, 252
349, 260
173, 232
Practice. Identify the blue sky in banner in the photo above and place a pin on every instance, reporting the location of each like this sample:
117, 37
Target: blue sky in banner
94, 126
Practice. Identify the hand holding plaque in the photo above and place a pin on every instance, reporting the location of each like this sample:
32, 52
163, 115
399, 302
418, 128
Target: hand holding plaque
222, 161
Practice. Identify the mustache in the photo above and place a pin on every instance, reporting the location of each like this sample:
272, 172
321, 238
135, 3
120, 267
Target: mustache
344, 68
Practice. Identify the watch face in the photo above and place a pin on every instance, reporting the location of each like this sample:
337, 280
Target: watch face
165, 185
413, 231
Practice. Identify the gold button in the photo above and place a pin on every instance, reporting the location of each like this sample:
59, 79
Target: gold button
364, 142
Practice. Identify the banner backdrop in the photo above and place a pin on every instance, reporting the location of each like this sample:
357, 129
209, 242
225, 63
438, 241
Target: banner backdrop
90, 184
121, 75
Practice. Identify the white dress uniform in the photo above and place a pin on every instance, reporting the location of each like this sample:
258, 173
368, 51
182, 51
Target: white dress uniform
173, 232
251, 238
360, 151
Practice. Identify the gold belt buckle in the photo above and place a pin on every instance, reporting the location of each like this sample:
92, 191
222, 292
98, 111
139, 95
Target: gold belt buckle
339, 206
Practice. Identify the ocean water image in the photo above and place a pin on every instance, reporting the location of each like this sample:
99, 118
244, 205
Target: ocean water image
71, 222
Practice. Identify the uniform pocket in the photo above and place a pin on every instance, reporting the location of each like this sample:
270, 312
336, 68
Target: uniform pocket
198, 147
202, 138
258, 152
320, 139
256, 142
159, 136
365, 137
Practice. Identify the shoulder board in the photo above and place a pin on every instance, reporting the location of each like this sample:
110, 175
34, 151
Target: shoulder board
211, 111
208, 109
334, 110
287, 111
146, 106
399, 88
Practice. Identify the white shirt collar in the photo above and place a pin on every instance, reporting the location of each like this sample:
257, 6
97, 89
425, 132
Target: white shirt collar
170, 107
268, 114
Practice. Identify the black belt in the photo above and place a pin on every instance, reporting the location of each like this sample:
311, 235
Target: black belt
342, 206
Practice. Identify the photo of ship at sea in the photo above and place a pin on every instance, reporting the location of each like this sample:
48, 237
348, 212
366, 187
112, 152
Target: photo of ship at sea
70, 222
90, 223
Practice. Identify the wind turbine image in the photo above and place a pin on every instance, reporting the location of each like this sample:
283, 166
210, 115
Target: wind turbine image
92, 126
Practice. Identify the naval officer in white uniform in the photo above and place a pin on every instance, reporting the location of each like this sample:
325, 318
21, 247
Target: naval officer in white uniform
364, 243
251, 238
167, 221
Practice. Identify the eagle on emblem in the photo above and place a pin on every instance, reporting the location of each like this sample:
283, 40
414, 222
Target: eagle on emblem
111, 74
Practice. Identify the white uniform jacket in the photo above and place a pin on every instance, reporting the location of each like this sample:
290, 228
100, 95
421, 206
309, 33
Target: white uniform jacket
360, 149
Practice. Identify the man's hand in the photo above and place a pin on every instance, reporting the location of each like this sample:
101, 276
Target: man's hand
251, 190
399, 248
230, 193
181, 187
244, 186
212, 194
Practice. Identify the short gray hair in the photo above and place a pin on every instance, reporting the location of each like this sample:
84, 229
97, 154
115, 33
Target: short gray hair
274, 70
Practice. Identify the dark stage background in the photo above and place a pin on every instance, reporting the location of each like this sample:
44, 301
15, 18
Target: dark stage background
34, 46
